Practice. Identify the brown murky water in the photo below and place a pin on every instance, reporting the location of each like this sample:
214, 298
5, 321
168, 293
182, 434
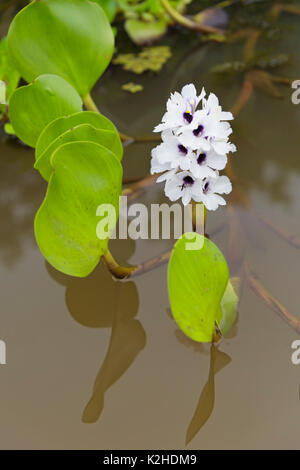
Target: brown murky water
94, 363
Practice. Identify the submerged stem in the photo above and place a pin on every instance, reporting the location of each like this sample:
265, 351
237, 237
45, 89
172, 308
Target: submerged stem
243, 97
260, 291
152, 264
184, 21
91, 106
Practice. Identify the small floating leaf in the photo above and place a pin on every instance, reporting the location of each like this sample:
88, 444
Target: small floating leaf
143, 32
85, 175
70, 38
61, 125
9, 130
197, 279
33, 106
132, 87
83, 133
151, 58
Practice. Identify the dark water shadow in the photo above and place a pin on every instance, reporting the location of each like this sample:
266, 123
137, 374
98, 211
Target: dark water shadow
98, 301
22, 191
218, 360
205, 406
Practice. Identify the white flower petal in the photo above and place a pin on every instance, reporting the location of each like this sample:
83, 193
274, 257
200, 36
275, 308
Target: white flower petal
166, 176
189, 91
187, 196
212, 201
216, 161
222, 185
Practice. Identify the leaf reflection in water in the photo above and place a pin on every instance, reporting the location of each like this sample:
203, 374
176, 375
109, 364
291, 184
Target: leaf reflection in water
127, 339
205, 406
98, 301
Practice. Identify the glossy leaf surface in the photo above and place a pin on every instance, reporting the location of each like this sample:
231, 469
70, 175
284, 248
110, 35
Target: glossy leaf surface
85, 175
197, 279
83, 133
61, 125
34, 106
70, 38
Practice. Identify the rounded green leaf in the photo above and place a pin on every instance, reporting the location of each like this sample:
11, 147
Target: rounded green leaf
85, 175
197, 279
109, 7
83, 133
143, 32
61, 125
8, 73
70, 38
33, 106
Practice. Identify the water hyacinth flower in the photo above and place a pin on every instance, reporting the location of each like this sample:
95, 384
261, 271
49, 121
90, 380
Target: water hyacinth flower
183, 185
194, 148
180, 108
211, 190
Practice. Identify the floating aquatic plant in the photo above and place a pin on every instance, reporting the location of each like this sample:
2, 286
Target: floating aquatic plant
132, 87
79, 154
150, 58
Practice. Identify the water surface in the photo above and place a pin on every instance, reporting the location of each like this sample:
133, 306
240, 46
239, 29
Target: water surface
95, 363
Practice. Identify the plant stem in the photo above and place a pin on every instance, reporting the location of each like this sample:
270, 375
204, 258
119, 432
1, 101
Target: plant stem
120, 272
249, 47
184, 21
136, 188
282, 233
270, 300
196, 227
243, 97
141, 139
282, 80
91, 106
152, 264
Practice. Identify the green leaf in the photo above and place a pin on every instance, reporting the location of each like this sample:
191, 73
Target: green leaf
85, 175
9, 130
70, 38
61, 125
142, 32
8, 73
33, 106
83, 133
197, 279
229, 306
109, 7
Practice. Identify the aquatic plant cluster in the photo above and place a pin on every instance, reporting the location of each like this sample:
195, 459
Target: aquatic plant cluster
195, 147
78, 152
